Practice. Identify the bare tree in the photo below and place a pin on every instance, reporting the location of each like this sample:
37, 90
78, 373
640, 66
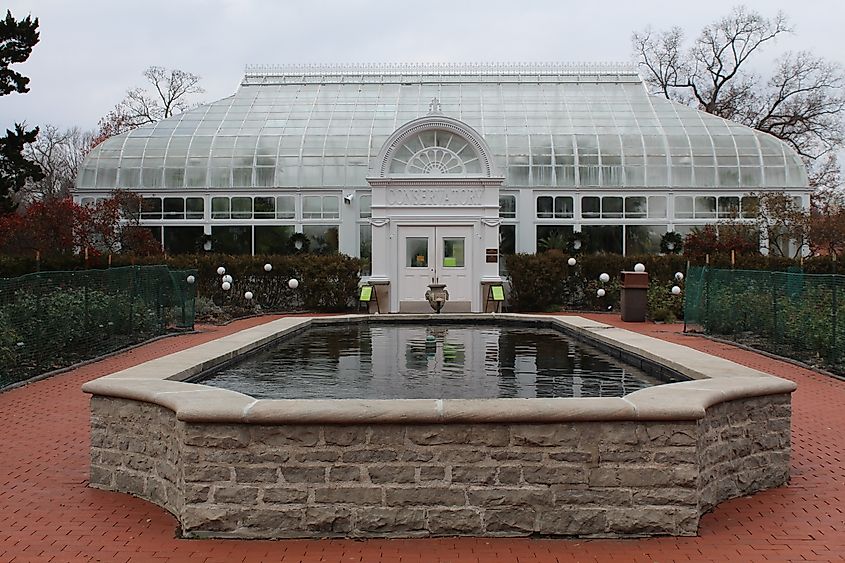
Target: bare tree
169, 93
802, 102
59, 153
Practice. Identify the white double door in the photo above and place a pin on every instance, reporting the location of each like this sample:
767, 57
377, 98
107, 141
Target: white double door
435, 255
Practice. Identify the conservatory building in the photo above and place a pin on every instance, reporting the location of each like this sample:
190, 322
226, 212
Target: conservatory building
434, 171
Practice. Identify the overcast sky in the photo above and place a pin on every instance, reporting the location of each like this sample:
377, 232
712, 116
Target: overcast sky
92, 51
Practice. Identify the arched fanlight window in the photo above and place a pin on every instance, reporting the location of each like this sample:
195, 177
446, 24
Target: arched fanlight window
435, 152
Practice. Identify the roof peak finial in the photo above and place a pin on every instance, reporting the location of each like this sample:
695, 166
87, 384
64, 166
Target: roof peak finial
434, 106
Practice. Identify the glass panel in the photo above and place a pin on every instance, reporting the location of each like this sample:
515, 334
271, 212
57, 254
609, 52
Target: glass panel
156, 233
603, 238
416, 252
590, 206
183, 240
231, 240
264, 176
657, 206
285, 207
453, 252
507, 245
683, 206
273, 239
264, 207
728, 207
195, 177
643, 239
173, 177
151, 177
553, 237
705, 207
312, 207
544, 207
174, 208
365, 248
151, 208
507, 206
220, 208
611, 207
241, 208
635, 207
195, 207
750, 206
323, 238
364, 206
563, 207
331, 207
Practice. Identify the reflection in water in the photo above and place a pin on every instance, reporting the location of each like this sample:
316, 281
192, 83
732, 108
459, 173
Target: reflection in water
451, 361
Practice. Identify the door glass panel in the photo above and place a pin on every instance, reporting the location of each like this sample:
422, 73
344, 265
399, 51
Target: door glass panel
453, 252
416, 252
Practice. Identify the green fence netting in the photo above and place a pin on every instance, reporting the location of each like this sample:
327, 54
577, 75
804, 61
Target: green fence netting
790, 313
53, 319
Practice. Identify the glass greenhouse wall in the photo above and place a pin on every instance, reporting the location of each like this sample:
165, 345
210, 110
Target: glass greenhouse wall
579, 146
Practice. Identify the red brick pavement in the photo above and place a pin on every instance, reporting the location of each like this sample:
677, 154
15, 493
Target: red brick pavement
47, 513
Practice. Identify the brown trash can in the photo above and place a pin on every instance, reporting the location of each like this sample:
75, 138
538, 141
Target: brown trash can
634, 296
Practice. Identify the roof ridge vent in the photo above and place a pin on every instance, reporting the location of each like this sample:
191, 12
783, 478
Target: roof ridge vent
442, 69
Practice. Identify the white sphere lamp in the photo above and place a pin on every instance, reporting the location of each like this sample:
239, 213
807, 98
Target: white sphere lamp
227, 278
639, 267
221, 270
604, 278
293, 283
571, 261
676, 290
679, 276
190, 279
268, 267
600, 292
248, 295
226, 286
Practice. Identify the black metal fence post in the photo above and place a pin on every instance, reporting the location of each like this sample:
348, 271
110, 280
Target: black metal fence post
834, 310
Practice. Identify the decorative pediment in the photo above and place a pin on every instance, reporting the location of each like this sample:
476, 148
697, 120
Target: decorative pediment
434, 146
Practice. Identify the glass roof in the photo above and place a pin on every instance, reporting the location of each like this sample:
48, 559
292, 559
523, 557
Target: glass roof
547, 125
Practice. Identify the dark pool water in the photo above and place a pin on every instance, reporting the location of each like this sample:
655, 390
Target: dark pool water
399, 361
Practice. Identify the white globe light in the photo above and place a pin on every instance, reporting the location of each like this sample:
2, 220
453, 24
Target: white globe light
190, 279
293, 283
248, 295
600, 292
639, 267
679, 276
571, 261
226, 286
676, 290
268, 267
604, 278
221, 270
227, 278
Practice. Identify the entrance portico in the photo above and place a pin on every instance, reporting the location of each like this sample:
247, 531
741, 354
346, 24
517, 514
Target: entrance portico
435, 214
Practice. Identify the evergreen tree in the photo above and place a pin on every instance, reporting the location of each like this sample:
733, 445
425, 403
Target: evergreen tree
17, 38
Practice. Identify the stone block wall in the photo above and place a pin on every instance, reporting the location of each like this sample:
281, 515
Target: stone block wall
593, 479
744, 450
135, 450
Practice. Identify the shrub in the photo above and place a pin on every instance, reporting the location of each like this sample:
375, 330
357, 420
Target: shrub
326, 283
45, 329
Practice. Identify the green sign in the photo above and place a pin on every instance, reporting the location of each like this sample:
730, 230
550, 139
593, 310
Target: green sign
366, 292
498, 293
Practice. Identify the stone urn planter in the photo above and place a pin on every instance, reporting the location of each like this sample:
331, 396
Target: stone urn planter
437, 296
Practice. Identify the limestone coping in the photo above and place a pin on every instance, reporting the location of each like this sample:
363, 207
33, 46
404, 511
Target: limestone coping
712, 380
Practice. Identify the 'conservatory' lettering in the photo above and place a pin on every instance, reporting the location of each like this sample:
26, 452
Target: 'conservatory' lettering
434, 197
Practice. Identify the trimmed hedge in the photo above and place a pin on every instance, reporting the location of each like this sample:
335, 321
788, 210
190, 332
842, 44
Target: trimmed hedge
326, 283
545, 282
